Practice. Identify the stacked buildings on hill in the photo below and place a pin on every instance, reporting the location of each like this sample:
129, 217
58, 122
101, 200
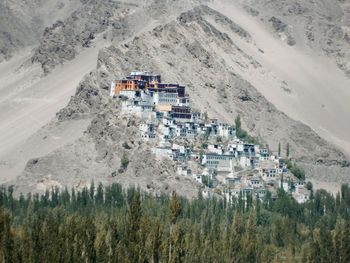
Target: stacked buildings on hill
205, 149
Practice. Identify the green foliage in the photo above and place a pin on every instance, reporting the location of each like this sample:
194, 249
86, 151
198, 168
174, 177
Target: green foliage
111, 224
124, 162
207, 181
175, 208
238, 123
295, 170
309, 186
279, 149
204, 146
205, 136
242, 134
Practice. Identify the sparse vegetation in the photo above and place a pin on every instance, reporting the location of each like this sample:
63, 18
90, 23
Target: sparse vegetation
124, 163
288, 150
204, 146
279, 149
207, 181
295, 170
242, 134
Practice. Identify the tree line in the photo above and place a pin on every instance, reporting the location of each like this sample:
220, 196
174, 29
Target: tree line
112, 224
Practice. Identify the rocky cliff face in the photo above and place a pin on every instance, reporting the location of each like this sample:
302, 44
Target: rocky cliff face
321, 25
22, 22
98, 156
112, 20
195, 45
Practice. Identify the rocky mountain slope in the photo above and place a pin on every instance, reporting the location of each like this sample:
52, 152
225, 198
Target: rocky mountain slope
22, 22
322, 25
112, 20
252, 59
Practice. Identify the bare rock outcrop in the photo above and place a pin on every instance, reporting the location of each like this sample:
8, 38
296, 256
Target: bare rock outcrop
62, 41
97, 156
23, 22
322, 25
196, 48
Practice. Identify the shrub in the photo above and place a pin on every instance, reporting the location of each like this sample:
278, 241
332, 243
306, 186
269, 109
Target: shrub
124, 162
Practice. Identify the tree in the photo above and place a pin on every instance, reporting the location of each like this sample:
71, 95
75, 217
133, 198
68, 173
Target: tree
288, 150
279, 149
238, 123
154, 243
235, 238
6, 238
89, 236
205, 116
175, 211
123, 163
249, 240
345, 243
176, 245
99, 194
175, 208
309, 186
133, 227
102, 250
92, 190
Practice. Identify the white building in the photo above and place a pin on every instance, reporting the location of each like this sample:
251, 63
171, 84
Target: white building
183, 170
138, 108
163, 152
221, 163
112, 89
164, 98
166, 131
253, 181
198, 178
215, 148
268, 174
226, 131
183, 101
148, 131
301, 194
130, 94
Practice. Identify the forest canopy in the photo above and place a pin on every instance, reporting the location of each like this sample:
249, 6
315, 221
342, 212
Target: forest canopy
112, 224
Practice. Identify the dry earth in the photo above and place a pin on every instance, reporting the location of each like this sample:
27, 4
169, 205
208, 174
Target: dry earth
264, 60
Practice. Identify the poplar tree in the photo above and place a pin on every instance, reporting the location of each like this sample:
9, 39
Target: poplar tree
345, 243
237, 231
250, 240
279, 149
6, 238
133, 227
175, 211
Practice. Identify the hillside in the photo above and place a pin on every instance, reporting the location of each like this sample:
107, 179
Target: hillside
257, 60
22, 23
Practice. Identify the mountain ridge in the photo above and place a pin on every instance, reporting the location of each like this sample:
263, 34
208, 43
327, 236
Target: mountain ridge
202, 48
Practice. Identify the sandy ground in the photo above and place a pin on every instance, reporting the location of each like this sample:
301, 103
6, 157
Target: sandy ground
319, 93
29, 101
331, 187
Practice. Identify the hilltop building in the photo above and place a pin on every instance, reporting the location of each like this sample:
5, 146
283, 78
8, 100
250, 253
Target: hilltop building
233, 166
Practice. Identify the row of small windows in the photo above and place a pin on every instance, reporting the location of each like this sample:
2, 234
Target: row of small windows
151, 136
255, 182
167, 100
270, 175
220, 158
